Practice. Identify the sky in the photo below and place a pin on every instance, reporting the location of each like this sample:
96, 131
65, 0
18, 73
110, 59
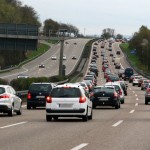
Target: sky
92, 16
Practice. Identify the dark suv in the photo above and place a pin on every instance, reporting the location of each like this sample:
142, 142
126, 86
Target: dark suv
38, 93
128, 73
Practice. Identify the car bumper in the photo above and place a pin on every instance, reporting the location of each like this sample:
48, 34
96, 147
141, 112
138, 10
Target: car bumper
4, 108
105, 103
36, 103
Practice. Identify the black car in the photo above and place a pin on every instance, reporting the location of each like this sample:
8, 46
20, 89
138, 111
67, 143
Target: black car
38, 93
95, 70
118, 52
105, 96
127, 73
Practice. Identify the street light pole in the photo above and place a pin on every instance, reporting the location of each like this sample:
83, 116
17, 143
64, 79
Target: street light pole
61, 57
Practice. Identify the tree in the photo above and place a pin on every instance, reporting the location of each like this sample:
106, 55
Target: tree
108, 33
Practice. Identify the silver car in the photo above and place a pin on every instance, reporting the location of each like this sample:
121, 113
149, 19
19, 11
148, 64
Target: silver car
9, 101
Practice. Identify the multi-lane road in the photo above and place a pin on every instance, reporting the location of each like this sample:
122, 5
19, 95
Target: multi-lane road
126, 128
73, 47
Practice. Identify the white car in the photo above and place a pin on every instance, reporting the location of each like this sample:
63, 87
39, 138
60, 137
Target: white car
118, 89
64, 58
54, 58
68, 100
22, 76
136, 80
9, 101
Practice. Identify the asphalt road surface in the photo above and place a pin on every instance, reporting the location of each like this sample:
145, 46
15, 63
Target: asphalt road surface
126, 128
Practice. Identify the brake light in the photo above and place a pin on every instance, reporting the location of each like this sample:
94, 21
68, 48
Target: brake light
148, 90
82, 100
29, 96
120, 92
115, 95
49, 99
4, 96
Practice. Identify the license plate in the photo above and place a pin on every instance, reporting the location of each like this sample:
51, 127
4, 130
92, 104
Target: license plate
65, 105
40, 96
103, 99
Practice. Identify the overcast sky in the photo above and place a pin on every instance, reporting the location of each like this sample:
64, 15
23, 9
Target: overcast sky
92, 16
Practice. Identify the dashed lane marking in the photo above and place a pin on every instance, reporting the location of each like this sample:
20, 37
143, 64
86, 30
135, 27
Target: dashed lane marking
136, 104
11, 125
132, 111
137, 99
117, 123
80, 146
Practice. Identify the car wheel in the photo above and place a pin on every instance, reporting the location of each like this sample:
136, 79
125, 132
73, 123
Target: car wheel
90, 117
142, 89
28, 107
117, 106
55, 118
122, 102
11, 112
85, 118
133, 84
146, 102
48, 118
94, 107
20, 111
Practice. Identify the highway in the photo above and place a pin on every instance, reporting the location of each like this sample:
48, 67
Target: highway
126, 128
74, 47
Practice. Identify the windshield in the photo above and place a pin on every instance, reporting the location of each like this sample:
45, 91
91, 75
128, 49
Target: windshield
40, 88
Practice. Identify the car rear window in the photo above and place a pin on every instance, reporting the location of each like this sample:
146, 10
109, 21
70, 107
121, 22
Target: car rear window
40, 88
2, 90
65, 92
103, 89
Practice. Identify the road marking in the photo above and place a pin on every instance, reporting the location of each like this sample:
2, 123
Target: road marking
135, 95
80, 146
137, 99
117, 123
23, 106
13, 125
133, 91
136, 104
132, 111
130, 89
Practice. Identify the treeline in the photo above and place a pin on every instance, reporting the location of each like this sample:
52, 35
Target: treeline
141, 43
12, 11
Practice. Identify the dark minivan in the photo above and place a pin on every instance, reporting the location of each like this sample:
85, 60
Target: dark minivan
128, 73
38, 93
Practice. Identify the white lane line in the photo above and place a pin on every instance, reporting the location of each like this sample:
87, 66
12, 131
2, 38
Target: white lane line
133, 91
136, 104
132, 111
130, 88
117, 123
23, 106
80, 146
135, 95
137, 99
13, 125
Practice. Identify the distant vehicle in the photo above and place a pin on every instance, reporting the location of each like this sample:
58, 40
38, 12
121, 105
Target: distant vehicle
116, 61
117, 66
22, 76
75, 43
147, 95
9, 101
74, 57
38, 93
127, 73
64, 57
118, 52
132, 77
68, 100
53, 57
105, 96
41, 66
120, 72
144, 84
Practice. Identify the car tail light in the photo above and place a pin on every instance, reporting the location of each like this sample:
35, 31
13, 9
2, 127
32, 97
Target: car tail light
120, 92
29, 96
115, 95
4, 96
148, 90
82, 100
49, 99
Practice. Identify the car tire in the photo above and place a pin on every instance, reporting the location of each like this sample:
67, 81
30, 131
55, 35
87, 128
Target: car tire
122, 102
117, 106
55, 118
90, 117
48, 118
11, 112
20, 111
85, 118
133, 84
142, 89
146, 102
94, 107
28, 107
